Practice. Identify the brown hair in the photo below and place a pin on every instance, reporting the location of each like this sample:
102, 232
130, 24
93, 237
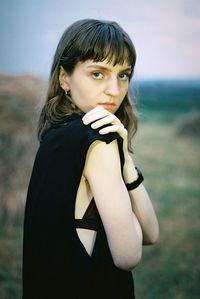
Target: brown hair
88, 39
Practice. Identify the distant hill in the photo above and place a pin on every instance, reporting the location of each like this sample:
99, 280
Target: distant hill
169, 93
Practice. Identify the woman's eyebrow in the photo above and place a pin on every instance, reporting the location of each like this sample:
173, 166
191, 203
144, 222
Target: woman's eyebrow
106, 68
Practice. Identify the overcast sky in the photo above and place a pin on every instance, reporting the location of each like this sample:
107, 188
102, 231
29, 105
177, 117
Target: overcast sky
166, 33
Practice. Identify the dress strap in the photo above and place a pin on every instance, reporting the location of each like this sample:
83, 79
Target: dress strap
91, 219
87, 224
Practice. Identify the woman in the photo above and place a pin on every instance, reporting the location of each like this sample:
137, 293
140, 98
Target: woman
87, 212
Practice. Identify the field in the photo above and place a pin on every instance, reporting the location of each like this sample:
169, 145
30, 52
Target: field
171, 268
167, 151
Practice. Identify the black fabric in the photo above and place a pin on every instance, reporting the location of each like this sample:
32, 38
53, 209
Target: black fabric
55, 262
91, 218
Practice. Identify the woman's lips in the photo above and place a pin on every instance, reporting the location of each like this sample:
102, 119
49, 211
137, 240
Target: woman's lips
108, 105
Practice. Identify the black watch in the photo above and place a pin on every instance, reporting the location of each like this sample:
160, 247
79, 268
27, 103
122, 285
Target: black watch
137, 182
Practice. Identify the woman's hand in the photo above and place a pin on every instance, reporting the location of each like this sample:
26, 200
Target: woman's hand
141, 203
100, 116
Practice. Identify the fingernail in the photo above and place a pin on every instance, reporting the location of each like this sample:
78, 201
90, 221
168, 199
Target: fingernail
102, 131
93, 126
84, 121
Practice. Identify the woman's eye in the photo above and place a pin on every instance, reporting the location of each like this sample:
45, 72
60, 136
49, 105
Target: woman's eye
124, 76
97, 75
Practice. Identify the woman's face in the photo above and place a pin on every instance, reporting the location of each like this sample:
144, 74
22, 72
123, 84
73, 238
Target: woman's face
98, 83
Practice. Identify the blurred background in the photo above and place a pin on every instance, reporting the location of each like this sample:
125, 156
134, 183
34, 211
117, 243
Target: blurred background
166, 90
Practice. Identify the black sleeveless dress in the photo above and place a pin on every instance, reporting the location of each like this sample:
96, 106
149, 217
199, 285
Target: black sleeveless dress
55, 262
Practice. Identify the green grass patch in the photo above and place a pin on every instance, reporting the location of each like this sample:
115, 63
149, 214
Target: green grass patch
171, 163
10, 262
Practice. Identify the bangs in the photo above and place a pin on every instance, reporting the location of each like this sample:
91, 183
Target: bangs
98, 41
107, 43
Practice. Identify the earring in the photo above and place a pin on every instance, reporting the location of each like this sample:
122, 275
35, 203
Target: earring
68, 96
67, 93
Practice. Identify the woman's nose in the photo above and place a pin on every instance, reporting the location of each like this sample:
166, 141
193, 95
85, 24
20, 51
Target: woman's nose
112, 87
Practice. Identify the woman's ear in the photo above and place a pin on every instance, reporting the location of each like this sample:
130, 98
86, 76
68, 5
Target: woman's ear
63, 79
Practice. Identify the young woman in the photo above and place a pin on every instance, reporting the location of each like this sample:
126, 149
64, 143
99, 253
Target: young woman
87, 212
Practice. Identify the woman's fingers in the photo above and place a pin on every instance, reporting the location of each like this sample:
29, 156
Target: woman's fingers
114, 128
95, 114
99, 116
109, 119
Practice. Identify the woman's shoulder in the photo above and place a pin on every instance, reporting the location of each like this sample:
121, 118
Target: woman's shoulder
73, 131
68, 127
77, 130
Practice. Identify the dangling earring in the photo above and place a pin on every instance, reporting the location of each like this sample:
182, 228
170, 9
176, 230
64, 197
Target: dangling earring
68, 96
67, 93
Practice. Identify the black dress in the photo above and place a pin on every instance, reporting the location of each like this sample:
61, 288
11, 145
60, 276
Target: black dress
55, 262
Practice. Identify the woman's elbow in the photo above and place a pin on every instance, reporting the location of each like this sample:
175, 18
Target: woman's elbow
151, 239
155, 238
128, 263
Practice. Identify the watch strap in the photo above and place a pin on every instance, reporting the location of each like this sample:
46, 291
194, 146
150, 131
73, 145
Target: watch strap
137, 182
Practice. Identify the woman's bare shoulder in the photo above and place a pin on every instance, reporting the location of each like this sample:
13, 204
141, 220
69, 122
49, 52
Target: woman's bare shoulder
102, 157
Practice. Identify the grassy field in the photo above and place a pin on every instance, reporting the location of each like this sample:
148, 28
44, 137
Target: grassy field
10, 262
171, 269
171, 166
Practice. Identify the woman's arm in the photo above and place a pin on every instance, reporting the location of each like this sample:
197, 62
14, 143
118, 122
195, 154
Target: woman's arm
141, 204
103, 172
140, 201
